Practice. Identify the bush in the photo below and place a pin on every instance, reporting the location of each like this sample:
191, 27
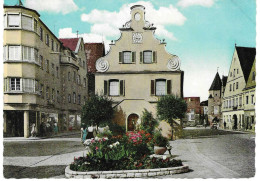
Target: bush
117, 129
148, 123
159, 140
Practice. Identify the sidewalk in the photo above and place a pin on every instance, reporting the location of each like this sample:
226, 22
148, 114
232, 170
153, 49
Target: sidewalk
52, 137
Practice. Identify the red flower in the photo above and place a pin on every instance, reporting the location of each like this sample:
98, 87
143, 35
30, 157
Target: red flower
96, 148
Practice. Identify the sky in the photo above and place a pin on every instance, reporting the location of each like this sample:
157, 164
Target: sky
203, 33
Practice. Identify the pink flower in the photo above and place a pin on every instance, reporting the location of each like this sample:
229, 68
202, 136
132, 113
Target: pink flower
96, 148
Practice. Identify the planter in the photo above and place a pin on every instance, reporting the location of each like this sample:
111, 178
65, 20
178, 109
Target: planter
159, 150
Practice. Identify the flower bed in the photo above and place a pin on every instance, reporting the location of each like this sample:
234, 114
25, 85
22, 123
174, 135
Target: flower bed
128, 152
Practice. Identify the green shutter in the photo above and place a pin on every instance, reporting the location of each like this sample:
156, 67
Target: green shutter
133, 57
122, 87
169, 86
154, 57
141, 57
152, 87
105, 87
120, 57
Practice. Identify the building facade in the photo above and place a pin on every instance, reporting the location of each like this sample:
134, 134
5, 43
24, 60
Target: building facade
193, 110
235, 100
33, 88
137, 70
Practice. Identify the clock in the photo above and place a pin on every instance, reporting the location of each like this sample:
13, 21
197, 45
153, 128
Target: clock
137, 16
137, 37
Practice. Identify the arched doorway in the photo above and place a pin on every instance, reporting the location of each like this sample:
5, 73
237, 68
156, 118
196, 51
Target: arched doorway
131, 122
235, 121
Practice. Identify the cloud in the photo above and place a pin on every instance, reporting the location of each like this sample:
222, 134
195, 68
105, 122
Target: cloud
88, 37
54, 6
187, 3
107, 23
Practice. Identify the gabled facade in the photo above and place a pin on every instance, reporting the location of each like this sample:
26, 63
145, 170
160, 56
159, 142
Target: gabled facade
249, 99
234, 99
193, 109
137, 70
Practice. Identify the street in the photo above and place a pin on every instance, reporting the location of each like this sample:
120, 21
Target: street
228, 155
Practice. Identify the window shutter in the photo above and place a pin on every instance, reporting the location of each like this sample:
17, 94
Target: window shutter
154, 57
133, 57
14, 20
141, 57
120, 57
105, 87
169, 86
122, 87
152, 87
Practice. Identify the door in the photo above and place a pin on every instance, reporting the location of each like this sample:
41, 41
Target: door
131, 122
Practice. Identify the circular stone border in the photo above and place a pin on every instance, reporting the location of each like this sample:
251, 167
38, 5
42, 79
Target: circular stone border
126, 173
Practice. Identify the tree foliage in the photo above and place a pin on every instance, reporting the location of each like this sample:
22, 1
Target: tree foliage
170, 108
97, 109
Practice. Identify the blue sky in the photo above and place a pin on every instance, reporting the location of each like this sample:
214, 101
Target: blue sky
202, 33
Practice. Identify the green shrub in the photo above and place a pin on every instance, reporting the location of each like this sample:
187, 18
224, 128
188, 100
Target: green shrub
148, 123
159, 140
117, 129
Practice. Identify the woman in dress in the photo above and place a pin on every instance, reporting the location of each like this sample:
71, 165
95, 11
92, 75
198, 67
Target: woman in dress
84, 135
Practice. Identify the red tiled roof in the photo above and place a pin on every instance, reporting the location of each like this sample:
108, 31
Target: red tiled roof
70, 43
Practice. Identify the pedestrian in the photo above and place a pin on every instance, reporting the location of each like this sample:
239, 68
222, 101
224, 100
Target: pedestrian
56, 128
33, 132
90, 131
84, 133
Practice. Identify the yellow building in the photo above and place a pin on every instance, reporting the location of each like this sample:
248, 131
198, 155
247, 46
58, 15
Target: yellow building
137, 70
34, 66
234, 100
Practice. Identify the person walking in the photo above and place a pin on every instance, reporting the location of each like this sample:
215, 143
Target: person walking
84, 133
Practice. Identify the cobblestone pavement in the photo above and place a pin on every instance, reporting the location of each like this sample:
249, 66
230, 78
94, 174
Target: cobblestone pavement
220, 156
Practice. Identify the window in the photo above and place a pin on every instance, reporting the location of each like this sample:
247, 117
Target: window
230, 87
42, 90
234, 72
252, 99
74, 97
79, 99
148, 57
41, 61
230, 74
15, 84
68, 76
230, 103
14, 53
85, 82
13, 20
28, 85
41, 34
246, 99
27, 22
69, 98
233, 86
47, 65
52, 68
127, 57
35, 25
216, 109
27, 53
58, 96
47, 39
160, 87
114, 88
253, 76
237, 85
52, 45
236, 102
57, 47
53, 95
237, 71
74, 76
47, 93
240, 101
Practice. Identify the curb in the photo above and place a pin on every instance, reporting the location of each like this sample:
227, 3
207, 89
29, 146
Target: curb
126, 173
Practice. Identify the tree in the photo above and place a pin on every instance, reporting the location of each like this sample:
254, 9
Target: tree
97, 110
170, 108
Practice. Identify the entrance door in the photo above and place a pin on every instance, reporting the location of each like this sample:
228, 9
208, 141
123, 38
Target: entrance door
131, 122
15, 124
235, 121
